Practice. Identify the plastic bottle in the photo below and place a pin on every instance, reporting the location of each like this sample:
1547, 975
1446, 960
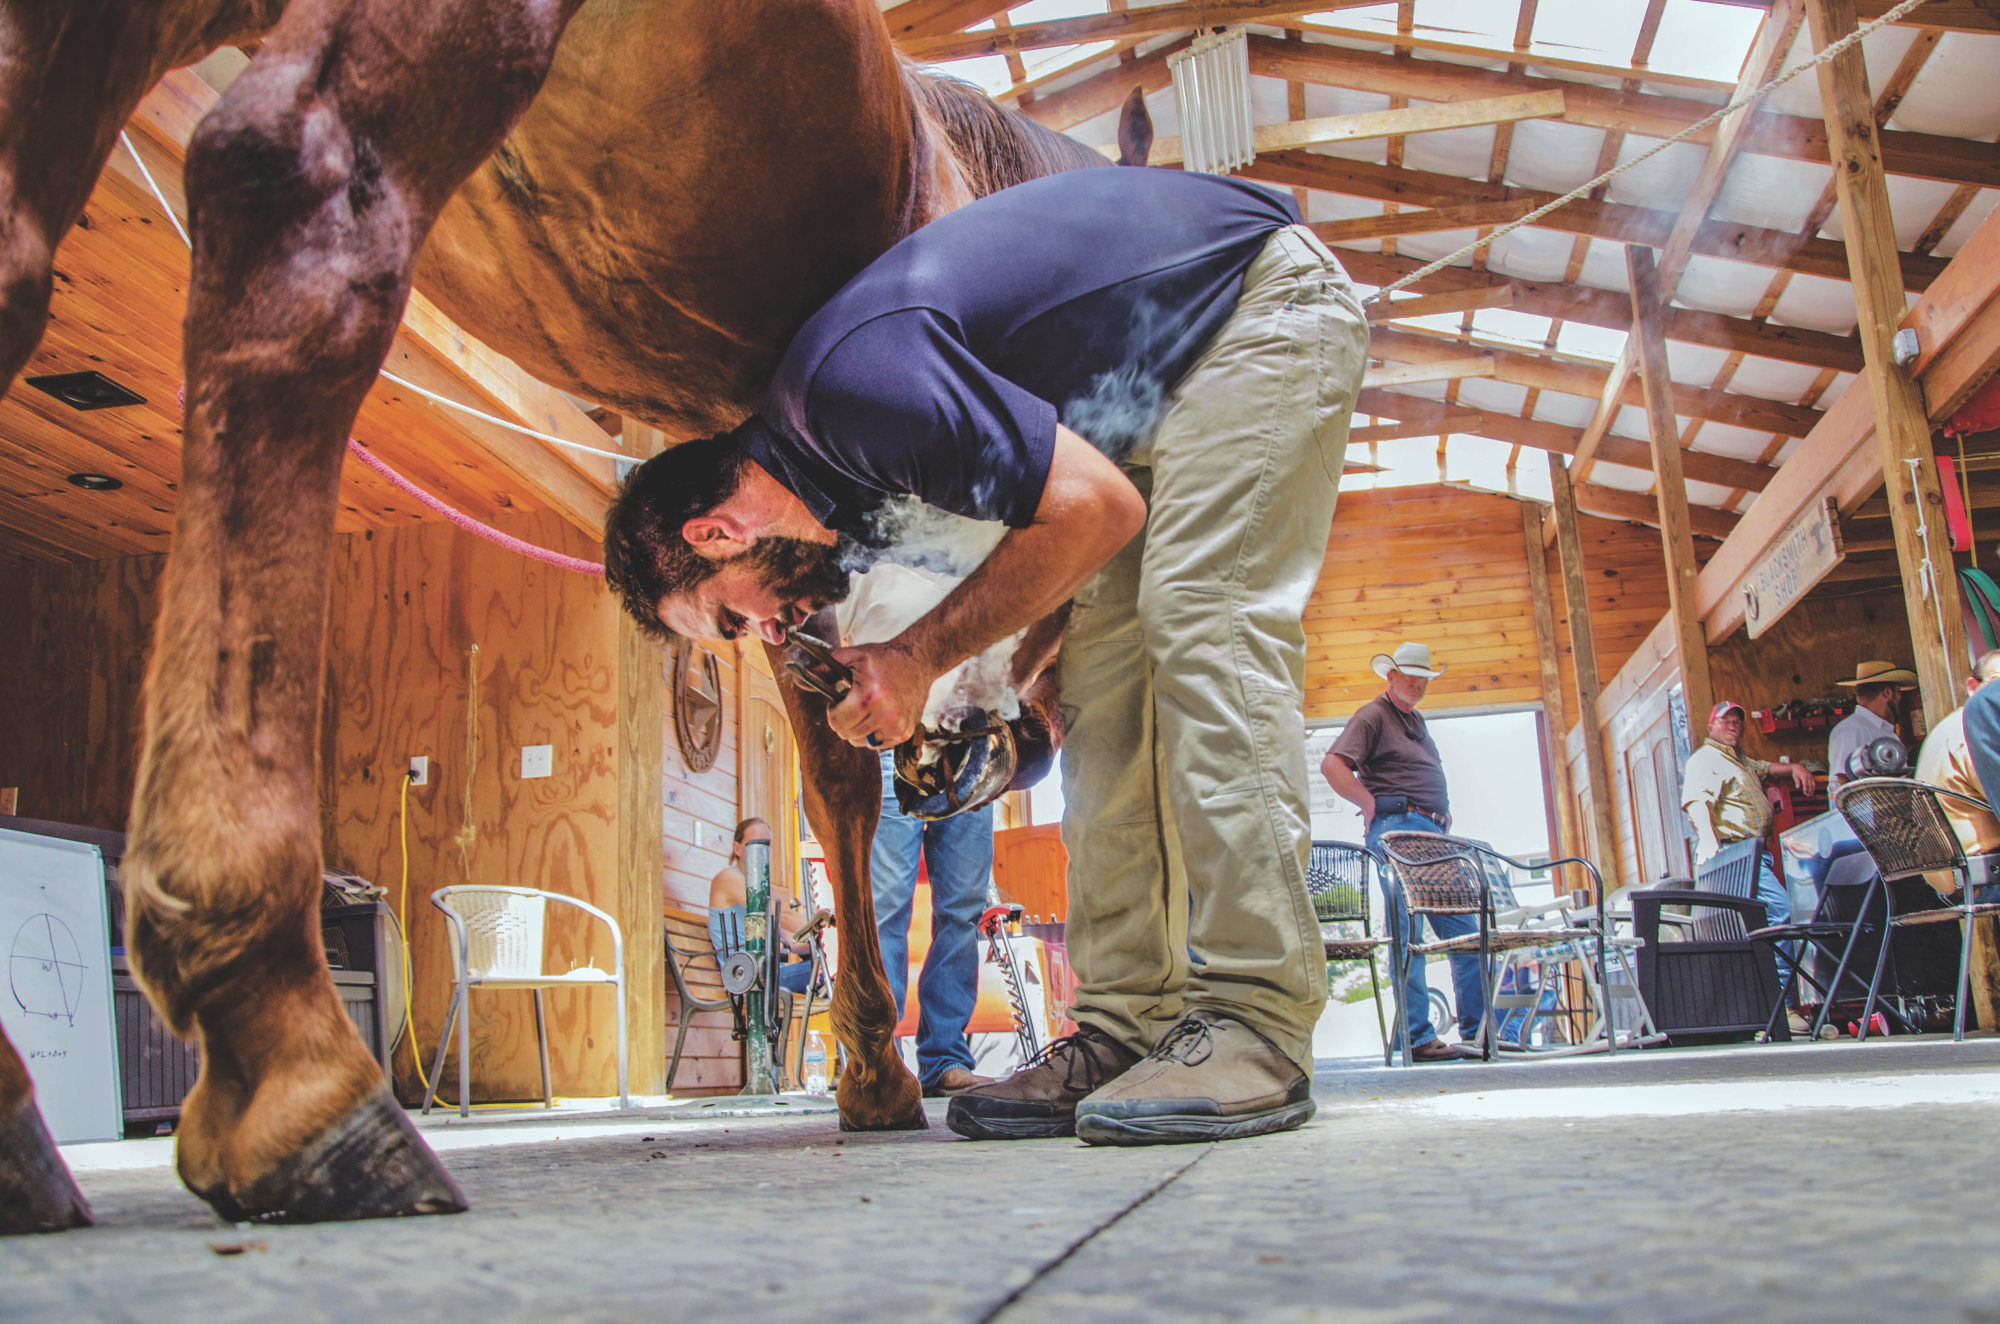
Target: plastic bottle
815, 1072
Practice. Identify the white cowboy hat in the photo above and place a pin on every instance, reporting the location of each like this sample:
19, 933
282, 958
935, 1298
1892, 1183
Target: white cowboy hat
1881, 673
1410, 659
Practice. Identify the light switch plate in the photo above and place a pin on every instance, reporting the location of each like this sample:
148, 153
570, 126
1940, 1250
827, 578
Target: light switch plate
537, 761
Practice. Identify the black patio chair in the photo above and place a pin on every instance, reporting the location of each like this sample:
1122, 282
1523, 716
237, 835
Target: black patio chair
1337, 881
1441, 875
1903, 828
1827, 931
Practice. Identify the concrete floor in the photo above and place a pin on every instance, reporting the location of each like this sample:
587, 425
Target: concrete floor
1811, 1181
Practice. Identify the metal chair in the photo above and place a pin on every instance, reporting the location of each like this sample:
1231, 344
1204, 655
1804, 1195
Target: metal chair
1441, 875
1903, 827
496, 942
1337, 881
1830, 933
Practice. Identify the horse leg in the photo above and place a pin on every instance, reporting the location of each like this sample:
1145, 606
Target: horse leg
37, 1193
312, 185
842, 789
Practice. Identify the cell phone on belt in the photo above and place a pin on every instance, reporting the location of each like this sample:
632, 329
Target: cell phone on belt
1386, 805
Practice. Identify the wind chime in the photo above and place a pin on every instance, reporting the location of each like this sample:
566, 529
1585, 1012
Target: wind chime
1212, 92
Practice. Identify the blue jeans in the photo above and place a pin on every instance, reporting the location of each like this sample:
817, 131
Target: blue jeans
1777, 901
960, 855
1467, 982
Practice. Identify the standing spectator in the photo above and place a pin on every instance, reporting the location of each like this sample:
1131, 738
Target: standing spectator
1722, 791
726, 893
958, 853
1385, 764
1878, 699
1946, 760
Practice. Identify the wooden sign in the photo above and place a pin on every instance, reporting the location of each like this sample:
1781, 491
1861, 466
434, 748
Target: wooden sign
1797, 560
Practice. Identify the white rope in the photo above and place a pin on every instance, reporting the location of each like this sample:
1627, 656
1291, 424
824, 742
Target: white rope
161, 198
1580, 190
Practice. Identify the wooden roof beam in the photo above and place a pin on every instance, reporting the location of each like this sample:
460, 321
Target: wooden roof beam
1430, 305
1380, 124
1615, 221
1439, 370
916, 20
1920, 155
1118, 25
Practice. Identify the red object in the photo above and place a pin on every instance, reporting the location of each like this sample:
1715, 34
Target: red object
1954, 505
1979, 414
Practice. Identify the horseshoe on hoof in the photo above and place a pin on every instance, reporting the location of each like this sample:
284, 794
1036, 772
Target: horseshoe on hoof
371, 1164
911, 1117
37, 1193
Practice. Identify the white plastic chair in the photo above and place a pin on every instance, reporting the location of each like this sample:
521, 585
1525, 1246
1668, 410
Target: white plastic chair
496, 942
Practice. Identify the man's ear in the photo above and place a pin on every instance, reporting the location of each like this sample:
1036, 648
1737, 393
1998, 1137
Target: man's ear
717, 536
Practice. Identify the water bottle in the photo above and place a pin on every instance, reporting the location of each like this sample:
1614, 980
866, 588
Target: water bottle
815, 1072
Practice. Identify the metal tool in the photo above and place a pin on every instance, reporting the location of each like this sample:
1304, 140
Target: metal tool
994, 926
817, 670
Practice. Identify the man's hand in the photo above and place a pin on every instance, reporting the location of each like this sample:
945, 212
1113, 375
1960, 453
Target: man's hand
1802, 778
887, 701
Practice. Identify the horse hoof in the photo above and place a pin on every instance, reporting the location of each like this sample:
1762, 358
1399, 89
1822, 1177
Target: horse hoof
901, 1110
371, 1164
37, 1194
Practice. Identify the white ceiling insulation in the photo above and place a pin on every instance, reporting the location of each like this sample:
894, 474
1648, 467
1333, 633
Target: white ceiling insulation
1696, 55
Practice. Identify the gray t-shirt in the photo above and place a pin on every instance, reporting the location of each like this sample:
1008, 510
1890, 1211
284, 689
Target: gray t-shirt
1393, 754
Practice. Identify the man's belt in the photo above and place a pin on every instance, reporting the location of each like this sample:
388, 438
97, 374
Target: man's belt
1435, 818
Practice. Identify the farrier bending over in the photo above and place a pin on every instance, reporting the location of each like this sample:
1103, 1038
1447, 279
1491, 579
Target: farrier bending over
1210, 348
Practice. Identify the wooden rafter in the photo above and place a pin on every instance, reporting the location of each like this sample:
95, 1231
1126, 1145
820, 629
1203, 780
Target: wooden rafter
1381, 124
1430, 305
1118, 25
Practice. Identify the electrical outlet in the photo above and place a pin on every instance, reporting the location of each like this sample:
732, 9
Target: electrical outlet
420, 770
537, 761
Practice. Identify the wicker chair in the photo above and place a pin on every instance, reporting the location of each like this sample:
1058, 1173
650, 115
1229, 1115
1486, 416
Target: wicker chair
1337, 880
1903, 827
1441, 875
496, 942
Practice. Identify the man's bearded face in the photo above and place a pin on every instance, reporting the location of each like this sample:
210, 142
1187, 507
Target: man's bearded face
778, 583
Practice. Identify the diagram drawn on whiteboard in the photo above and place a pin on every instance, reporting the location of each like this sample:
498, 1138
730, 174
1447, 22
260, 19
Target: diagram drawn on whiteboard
45, 969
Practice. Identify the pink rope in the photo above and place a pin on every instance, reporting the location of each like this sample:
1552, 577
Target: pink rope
466, 522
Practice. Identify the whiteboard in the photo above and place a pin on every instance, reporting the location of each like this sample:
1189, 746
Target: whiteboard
55, 1001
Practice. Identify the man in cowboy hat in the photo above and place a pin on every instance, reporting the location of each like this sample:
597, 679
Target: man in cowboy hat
1878, 698
1385, 764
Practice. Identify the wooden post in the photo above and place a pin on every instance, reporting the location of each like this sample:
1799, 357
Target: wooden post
641, 846
1554, 728
1902, 428
1676, 535
1598, 833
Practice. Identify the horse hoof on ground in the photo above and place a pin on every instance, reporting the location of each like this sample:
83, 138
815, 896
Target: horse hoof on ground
37, 1194
894, 1103
370, 1164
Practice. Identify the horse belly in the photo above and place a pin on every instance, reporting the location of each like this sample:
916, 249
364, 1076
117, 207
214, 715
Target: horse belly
692, 183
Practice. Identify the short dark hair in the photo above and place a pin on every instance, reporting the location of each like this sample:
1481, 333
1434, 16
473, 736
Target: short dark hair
645, 556
1867, 692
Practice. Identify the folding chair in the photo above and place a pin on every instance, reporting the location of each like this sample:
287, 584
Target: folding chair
1903, 828
1441, 875
1828, 932
1337, 880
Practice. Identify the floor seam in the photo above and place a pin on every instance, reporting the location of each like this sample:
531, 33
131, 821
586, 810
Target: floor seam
1090, 1236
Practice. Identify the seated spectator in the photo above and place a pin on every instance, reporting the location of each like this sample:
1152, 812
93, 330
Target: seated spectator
1946, 760
726, 894
1878, 701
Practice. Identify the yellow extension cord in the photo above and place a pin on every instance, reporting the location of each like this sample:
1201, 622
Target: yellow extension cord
403, 922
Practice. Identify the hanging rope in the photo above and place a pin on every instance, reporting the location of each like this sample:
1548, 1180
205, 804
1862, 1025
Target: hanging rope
1580, 190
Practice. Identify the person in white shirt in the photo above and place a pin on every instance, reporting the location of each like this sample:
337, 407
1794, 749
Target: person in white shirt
1878, 698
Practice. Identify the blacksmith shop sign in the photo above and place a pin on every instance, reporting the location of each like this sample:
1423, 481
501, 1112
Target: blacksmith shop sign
1802, 556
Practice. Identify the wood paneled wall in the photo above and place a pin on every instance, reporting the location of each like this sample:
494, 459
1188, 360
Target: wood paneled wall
72, 666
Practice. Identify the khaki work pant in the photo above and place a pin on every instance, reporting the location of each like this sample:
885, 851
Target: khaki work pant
1183, 673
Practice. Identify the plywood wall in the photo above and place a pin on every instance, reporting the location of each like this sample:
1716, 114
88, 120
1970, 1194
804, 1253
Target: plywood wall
73, 650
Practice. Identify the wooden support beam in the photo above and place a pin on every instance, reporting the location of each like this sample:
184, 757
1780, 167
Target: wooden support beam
1550, 656
1118, 25
1567, 376
1600, 839
1676, 536
641, 851
1463, 301
917, 19
1443, 370
1360, 229
1639, 508
1599, 220
1616, 110
1449, 422
1609, 308
1902, 428
1379, 124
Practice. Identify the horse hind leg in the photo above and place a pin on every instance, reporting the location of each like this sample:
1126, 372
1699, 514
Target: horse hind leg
37, 1194
312, 185
842, 790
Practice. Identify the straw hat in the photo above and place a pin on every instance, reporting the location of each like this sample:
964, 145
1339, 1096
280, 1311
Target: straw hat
1410, 659
1881, 673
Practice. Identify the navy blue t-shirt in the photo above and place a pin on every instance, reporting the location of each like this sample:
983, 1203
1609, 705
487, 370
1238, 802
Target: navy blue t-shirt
941, 371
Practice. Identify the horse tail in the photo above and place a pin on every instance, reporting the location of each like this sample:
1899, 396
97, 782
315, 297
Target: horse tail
995, 147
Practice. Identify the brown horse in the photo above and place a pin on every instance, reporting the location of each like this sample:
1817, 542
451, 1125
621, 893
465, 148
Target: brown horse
646, 232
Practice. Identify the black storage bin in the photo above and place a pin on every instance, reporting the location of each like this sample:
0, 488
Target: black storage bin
1712, 990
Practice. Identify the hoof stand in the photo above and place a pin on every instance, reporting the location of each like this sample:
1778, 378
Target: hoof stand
37, 1194
372, 1164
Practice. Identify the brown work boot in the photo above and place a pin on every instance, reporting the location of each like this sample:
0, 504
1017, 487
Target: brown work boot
1210, 1078
1039, 1101
955, 1081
